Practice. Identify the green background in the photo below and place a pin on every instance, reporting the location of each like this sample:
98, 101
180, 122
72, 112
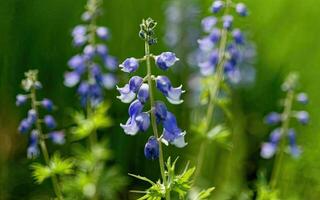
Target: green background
36, 34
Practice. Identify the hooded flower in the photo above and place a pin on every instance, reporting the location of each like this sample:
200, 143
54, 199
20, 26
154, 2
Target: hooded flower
172, 94
129, 65
151, 149
166, 60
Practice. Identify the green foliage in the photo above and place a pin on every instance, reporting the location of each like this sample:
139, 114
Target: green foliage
178, 183
86, 125
57, 166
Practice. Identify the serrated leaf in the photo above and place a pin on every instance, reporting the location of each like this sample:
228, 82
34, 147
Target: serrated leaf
59, 166
142, 178
40, 172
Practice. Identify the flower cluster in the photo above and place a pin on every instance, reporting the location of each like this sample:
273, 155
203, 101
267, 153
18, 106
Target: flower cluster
274, 118
33, 123
141, 88
86, 72
215, 48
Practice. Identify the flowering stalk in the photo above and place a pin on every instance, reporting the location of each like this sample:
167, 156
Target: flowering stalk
153, 119
139, 120
218, 63
277, 145
37, 137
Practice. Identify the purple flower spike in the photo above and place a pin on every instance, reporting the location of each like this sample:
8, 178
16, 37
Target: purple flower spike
151, 149
129, 65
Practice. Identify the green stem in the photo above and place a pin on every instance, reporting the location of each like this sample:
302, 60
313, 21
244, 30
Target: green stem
218, 78
154, 123
284, 131
43, 146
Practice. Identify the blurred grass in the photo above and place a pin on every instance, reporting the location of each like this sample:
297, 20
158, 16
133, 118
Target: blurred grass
36, 34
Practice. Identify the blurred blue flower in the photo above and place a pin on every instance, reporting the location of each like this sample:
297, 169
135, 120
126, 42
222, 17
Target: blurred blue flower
21, 99
302, 98
50, 122
129, 65
47, 104
57, 137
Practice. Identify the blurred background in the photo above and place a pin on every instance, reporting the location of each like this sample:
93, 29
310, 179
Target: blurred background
36, 34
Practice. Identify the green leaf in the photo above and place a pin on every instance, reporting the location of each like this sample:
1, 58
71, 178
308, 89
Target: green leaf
142, 178
204, 194
40, 172
87, 125
59, 166
219, 133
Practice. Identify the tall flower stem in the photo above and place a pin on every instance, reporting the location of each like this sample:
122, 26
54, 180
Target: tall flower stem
153, 121
43, 146
284, 130
218, 78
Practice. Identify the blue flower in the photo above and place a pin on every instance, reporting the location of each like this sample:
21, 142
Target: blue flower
294, 149
24, 126
268, 150
171, 132
227, 22
110, 62
135, 108
275, 136
47, 104
237, 36
273, 118
241, 9
208, 23
135, 83
160, 111
129, 65
32, 116
126, 95
76, 62
79, 35
21, 99
215, 35
131, 127
143, 93
151, 149
57, 137
71, 79
143, 121
89, 51
33, 150
217, 6
50, 122
205, 44
109, 81
166, 60
302, 98
102, 50
102, 33
303, 117
172, 94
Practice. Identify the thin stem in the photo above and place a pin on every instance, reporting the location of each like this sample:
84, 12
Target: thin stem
218, 78
43, 146
284, 131
154, 123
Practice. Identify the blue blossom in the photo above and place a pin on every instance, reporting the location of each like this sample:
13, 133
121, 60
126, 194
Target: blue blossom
227, 21
102, 32
21, 99
143, 121
273, 118
172, 94
71, 79
32, 116
217, 6
109, 81
135, 83
171, 132
303, 98
268, 150
130, 65
237, 36
208, 23
241, 9
126, 95
143, 93
24, 126
160, 111
303, 117
33, 149
294, 149
57, 137
47, 104
151, 149
50, 122
166, 60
